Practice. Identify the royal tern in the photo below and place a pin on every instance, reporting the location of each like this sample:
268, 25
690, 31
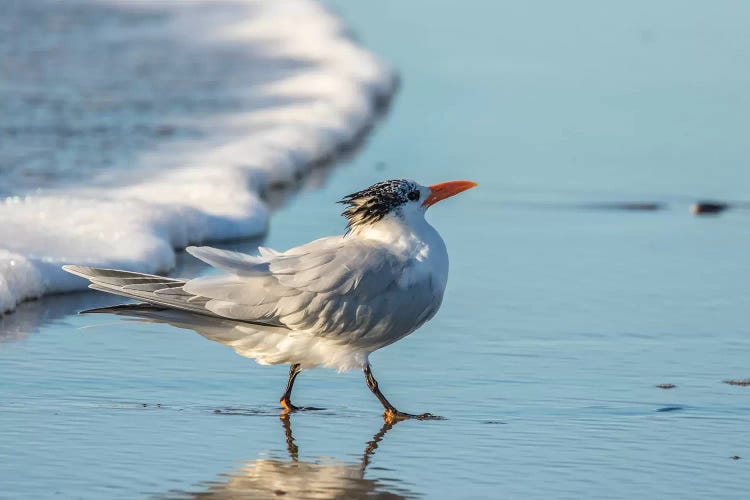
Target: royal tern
330, 302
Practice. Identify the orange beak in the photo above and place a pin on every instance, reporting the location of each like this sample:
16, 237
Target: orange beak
446, 190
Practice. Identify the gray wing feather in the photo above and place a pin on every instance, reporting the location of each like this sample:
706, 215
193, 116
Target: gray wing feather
150, 288
338, 288
229, 261
333, 287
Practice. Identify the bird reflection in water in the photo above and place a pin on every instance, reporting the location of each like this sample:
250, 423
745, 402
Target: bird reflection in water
295, 478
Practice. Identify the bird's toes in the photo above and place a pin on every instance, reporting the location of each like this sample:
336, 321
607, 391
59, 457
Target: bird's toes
288, 407
309, 408
429, 416
392, 416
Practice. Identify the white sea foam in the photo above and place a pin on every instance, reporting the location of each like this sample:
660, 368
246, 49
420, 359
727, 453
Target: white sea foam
198, 190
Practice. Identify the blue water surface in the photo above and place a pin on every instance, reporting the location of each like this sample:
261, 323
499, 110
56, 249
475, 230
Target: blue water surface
561, 317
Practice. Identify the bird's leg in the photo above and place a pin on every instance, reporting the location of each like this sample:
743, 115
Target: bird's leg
286, 399
391, 413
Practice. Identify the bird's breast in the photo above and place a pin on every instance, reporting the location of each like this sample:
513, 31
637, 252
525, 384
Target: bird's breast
427, 263
414, 276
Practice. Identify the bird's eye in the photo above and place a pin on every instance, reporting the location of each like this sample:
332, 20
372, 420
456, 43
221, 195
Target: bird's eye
413, 195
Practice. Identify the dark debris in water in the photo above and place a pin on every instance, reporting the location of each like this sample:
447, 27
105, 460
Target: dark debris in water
648, 206
735, 457
669, 408
248, 412
708, 207
666, 386
741, 382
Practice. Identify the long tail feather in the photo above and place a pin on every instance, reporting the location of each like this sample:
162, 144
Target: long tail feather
156, 290
161, 295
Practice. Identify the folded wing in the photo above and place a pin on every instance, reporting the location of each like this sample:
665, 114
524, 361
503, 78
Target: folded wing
341, 289
333, 287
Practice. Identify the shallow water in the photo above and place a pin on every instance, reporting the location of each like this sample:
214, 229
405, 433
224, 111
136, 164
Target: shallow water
559, 321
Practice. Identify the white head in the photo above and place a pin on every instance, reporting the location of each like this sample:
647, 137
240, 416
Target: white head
403, 198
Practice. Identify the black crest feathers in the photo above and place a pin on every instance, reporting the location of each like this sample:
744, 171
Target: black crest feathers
372, 204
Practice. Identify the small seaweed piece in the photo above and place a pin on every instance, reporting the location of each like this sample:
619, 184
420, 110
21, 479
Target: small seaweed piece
666, 386
741, 382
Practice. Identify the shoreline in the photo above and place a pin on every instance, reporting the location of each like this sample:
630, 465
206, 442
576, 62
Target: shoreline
215, 188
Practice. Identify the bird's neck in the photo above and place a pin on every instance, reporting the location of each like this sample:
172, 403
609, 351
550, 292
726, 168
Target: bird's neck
408, 233
416, 241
